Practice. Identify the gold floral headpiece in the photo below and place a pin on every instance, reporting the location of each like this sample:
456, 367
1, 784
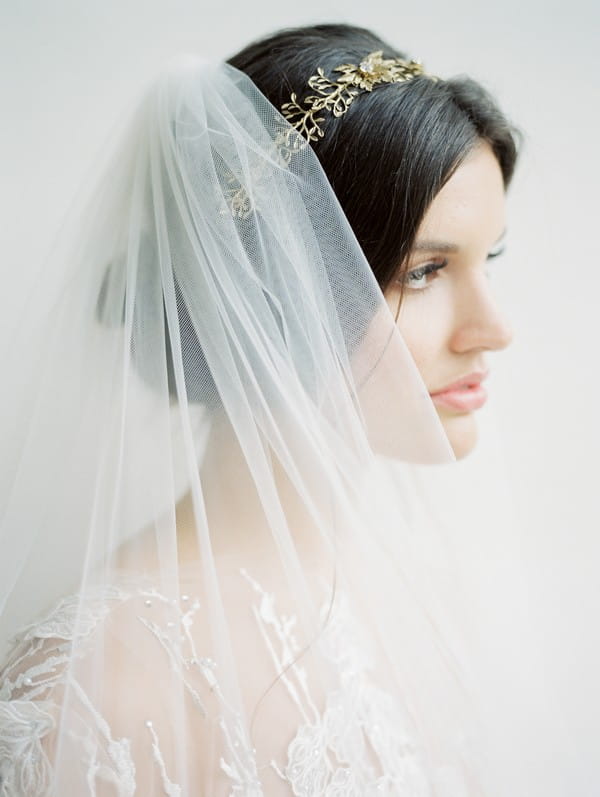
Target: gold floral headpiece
336, 96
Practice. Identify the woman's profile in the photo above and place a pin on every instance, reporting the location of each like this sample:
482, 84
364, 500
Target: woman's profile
276, 306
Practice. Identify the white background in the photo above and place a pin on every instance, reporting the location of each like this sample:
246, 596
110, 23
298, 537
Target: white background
69, 68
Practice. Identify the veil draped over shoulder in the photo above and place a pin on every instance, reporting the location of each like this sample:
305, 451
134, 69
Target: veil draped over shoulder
209, 493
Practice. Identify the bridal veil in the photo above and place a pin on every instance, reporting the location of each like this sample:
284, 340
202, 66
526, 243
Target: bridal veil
208, 493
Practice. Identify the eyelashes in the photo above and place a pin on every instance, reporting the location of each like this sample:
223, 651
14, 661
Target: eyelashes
494, 253
499, 250
418, 279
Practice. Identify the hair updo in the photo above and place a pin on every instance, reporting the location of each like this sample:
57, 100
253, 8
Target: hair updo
396, 146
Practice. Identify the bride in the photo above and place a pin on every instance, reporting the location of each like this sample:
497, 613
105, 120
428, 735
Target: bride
274, 312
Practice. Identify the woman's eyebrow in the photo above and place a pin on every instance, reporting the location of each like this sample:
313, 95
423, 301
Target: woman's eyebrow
435, 246
446, 246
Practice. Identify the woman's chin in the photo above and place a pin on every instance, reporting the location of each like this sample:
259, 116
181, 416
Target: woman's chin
461, 430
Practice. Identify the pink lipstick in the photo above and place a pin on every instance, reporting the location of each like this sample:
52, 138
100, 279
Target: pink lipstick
465, 395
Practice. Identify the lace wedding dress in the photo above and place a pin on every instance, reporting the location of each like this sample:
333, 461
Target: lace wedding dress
355, 742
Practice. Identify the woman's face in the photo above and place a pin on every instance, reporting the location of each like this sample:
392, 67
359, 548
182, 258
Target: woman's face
448, 317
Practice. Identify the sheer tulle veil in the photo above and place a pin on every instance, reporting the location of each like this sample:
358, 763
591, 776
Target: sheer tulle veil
215, 491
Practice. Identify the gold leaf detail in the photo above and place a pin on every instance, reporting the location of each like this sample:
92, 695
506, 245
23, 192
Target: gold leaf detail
336, 96
330, 96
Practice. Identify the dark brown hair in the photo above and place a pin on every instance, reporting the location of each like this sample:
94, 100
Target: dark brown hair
386, 158
396, 146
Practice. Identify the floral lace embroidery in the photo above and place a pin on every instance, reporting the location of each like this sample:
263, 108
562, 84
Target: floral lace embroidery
328, 756
332, 754
23, 724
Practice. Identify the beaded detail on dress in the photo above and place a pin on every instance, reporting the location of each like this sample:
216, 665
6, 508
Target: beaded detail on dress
355, 745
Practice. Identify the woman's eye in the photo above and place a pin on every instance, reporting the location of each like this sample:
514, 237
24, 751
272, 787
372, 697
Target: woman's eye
498, 251
419, 278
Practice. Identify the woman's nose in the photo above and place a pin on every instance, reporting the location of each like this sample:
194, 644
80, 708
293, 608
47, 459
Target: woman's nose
479, 323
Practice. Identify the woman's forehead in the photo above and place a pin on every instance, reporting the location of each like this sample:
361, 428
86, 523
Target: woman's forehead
472, 204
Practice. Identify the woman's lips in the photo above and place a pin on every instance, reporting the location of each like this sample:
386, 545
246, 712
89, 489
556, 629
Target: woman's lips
466, 395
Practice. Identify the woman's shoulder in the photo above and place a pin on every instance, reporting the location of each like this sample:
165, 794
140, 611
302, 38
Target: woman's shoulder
125, 676
38, 652
102, 627
91, 681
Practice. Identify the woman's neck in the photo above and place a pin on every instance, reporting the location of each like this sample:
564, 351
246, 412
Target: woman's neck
243, 522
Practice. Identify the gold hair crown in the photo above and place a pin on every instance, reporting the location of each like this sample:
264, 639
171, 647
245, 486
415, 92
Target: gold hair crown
331, 95
337, 96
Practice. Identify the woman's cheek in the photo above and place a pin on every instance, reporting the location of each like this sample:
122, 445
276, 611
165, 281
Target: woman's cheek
425, 324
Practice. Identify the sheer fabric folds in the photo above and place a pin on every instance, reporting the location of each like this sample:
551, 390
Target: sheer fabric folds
207, 496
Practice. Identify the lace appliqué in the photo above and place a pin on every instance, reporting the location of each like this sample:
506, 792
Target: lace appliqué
39, 664
24, 767
354, 746
329, 755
